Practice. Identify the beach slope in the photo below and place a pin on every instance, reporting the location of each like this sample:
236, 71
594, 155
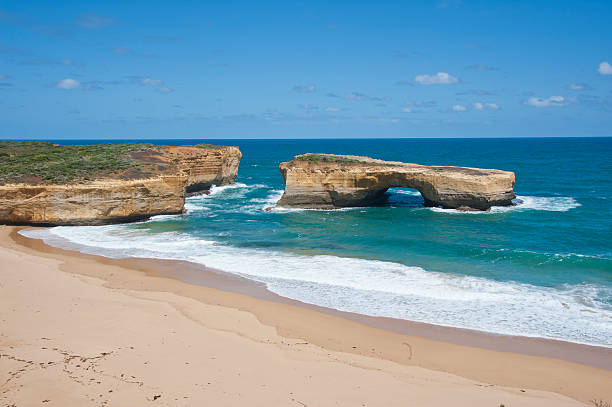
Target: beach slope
72, 339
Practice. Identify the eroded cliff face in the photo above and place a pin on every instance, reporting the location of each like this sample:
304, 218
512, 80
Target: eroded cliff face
98, 202
328, 181
219, 166
113, 200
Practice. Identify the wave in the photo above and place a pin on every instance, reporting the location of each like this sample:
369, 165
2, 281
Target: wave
233, 198
216, 190
161, 218
268, 203
250, 206
400, 191
555, 255
523, 203
275, 195
271, 200
275, 209
371, 287
191, 207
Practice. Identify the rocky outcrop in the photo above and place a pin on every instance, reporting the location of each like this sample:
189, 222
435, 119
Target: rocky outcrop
327, 181
97, 202
180, 170
217, 166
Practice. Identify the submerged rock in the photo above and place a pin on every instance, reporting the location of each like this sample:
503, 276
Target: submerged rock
327, 181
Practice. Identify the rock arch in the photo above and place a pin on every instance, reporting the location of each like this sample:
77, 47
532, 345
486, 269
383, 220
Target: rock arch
328, 181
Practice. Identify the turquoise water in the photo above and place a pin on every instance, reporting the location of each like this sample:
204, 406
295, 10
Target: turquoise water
540, 268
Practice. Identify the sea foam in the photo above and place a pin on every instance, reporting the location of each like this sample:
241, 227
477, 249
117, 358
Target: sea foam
523, 203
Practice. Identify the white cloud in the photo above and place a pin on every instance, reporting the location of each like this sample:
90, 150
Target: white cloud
407, 110
332, 109
305, 89
68, 84
487, 106
94, 22
147, 81
151, 82
605, 68
441, 78
480, 106
357, 96
308, 107
576, 86
547, 102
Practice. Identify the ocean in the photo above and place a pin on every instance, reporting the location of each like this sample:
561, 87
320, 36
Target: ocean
542, 268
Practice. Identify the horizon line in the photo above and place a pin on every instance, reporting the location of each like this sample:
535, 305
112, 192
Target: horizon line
312, 138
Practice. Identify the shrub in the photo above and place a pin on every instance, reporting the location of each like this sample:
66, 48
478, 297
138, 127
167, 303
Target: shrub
324, 158
207, 146
35, 161
317, 158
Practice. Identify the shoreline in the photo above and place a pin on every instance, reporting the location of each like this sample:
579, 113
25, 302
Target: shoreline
197, 274
349, 333
200, 275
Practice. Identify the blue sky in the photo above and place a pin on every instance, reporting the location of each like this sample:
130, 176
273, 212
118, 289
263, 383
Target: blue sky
231, 69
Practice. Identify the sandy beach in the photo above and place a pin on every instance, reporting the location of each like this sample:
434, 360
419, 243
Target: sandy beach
305, 204
80, 330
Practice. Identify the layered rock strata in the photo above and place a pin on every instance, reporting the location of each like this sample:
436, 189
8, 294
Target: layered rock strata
179, 170
327, 181
217, 166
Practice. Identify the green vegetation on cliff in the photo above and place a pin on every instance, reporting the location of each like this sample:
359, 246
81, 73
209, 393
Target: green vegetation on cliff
323, 158
208, 146
37, 162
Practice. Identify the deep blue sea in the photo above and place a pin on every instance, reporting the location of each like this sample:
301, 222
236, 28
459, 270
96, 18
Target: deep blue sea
541, 268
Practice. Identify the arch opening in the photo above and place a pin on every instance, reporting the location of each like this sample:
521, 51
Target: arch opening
403, 197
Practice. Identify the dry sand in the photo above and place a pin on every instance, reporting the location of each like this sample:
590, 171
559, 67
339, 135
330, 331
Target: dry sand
79, 330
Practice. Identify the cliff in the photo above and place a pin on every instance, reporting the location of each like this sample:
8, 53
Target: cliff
327, 181
219, 166
142, 181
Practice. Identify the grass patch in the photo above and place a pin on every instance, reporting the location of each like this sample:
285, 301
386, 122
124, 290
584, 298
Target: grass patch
207, 146
39, 162
322, 158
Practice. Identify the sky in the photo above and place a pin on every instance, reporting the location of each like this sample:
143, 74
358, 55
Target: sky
316, 69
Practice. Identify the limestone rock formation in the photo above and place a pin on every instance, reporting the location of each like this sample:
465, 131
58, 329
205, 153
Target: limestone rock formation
218, 166
121, 198
327, 181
